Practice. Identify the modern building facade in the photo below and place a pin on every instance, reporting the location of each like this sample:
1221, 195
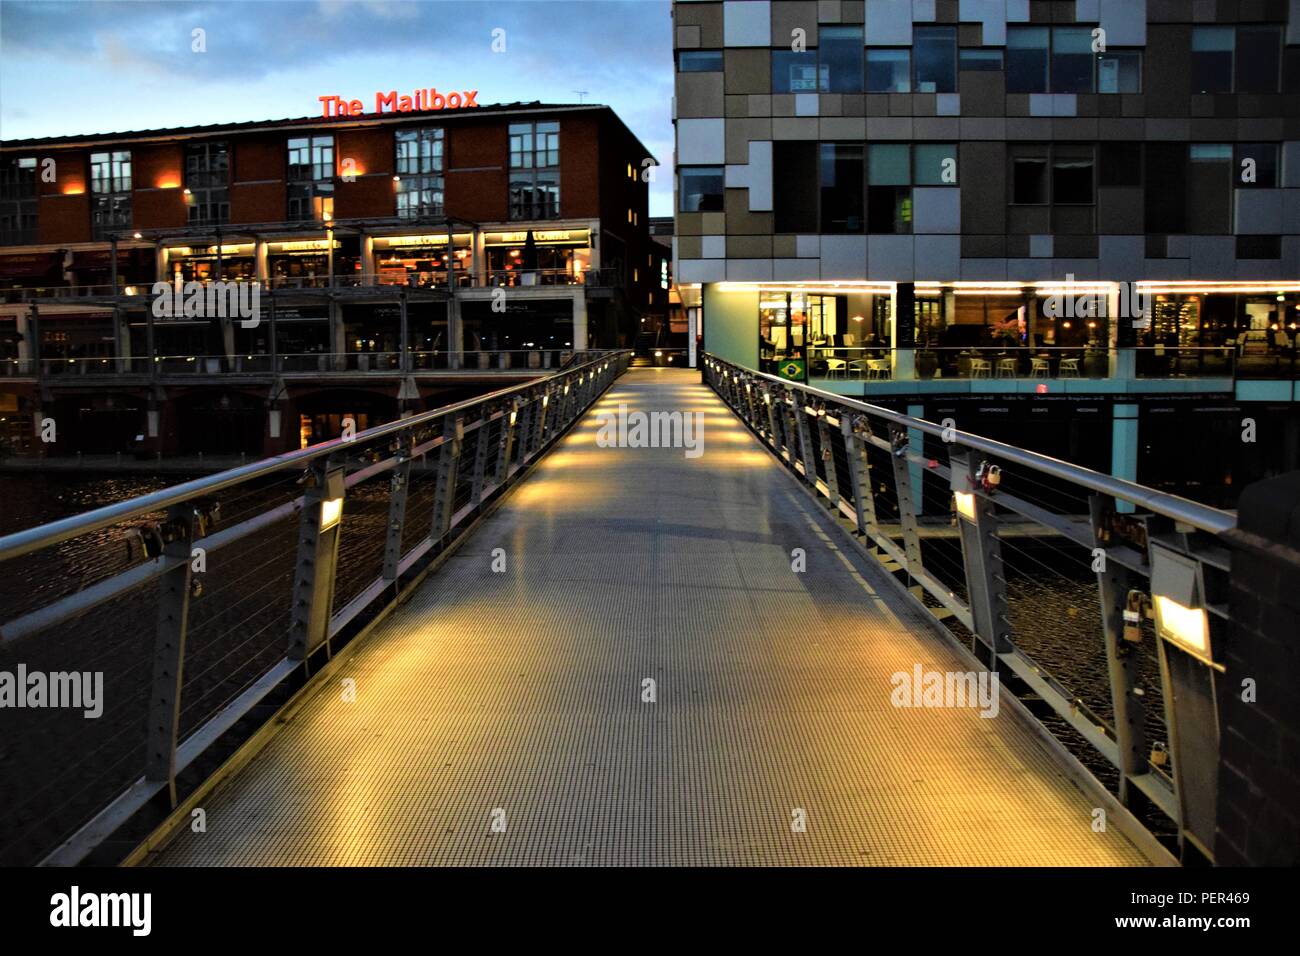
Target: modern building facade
942, 202
396, 244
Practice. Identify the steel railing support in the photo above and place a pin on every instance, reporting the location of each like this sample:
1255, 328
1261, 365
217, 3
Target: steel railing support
480, 455
907, 506
444, 495
864, 500
539, 422
1115, 582
169, 651
828, 459
319, 527
805, 455
398, 486
981, 560
506, 443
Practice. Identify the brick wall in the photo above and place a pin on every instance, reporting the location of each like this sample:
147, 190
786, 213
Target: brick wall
1259, 763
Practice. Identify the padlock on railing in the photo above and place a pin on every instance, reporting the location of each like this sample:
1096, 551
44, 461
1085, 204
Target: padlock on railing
1136, 607
989, 476
1159, 755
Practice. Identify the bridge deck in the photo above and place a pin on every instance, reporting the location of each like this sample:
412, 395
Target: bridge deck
521, 692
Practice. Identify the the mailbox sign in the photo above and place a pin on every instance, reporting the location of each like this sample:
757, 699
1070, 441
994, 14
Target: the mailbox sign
393, 102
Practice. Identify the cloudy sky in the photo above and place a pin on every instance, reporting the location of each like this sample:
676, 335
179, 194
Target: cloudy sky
103, 66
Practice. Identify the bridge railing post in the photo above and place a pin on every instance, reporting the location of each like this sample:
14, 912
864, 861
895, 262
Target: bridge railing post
319, 526
444, 495
398, 485
855, 448
506, 443
907, 506
981, 549
479, 474
828, 458
773, 431
169, 652
805, 454
539, 419
1114, 583
526, 416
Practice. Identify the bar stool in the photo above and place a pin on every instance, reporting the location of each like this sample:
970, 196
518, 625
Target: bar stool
1007, 368
1069, 368
1040, 368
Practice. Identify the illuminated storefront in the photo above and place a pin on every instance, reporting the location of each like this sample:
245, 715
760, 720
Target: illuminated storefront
420, 261
227, 262
538, 257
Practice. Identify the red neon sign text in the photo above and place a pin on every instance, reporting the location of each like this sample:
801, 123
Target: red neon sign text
391, 102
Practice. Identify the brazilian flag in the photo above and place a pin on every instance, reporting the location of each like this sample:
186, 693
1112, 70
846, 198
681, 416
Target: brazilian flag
794, 370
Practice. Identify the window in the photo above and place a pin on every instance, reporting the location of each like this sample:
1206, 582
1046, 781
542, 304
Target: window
1259, 247
1119, 71
534, 170
207, 183
110, 187
311, 178
1259, 59
840, 59
1256, 165
935, 59
1029, 180
1072, 175
699, 61
980, 61
1212, 59
420, 172
841, 188
794, 72
18, 200
889, 71
1027, 58
1059, 174
700, 188
1209, 194
1120, 165
795, 201
1072, 60
889, 190
934, 164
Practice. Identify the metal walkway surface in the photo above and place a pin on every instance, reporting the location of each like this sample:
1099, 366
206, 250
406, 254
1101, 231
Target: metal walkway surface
499, 716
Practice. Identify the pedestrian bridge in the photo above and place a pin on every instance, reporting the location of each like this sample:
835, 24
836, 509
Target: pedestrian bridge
506, 633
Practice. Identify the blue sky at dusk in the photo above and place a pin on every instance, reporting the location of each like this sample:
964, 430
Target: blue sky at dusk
93, 67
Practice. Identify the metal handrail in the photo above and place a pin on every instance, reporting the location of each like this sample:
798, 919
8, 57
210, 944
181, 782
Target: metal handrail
43, 536
1200, 516
828, 441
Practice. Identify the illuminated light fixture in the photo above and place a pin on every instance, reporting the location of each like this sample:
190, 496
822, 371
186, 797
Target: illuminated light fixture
137, 236
397, 179
513, 416
187, 191
331, 512
965, 502
1177, 597
545, 400
659, 354
75, 190
858, 318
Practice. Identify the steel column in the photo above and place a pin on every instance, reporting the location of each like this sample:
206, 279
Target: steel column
1115, 581
982, 560
898, 441
398, 486
169, 651
318, 544
444, 495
